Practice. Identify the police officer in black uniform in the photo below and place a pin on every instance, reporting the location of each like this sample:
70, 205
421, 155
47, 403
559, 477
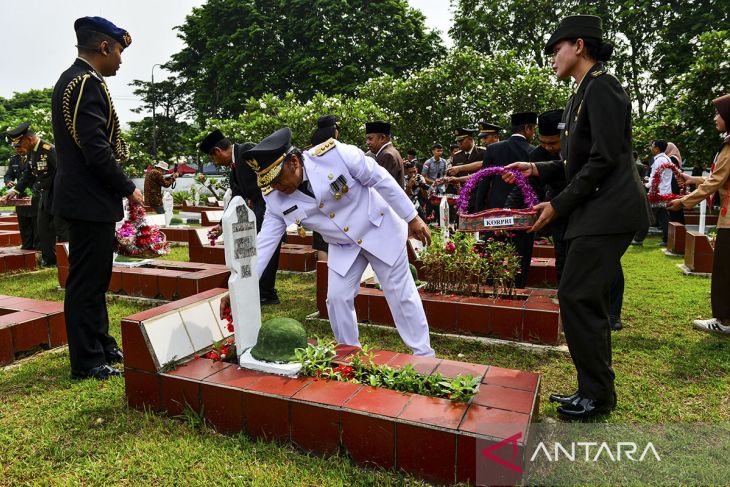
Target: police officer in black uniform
243, 184
603, 201
39, 173
26, 213
88, 191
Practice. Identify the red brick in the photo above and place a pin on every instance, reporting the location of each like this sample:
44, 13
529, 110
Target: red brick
178, 394
434, 411
376, 400
315, 428
57, 329
423, 365
541, 327
369, 440
142, 389
28, 329
7, 353
516, 379
496, 423
427, 453
505, 398
223, 408
327, 392
453, 368
266, 417
136, 352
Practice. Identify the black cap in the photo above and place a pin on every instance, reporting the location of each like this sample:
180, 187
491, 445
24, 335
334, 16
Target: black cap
267, 157
326, 129
210, 140
14, 135
100, 24
575, 26
377, 127
460, 133
548, 122
486, 128
523, 118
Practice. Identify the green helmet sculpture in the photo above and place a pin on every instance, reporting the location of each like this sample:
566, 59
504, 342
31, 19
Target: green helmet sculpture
277, 340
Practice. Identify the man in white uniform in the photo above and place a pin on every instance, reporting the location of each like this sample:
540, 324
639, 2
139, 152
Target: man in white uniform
360, 211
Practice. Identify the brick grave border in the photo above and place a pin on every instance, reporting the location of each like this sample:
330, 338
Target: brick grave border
167, 279
292, 258
698, 253
535, 319
17, 260
10, 238
28, 324
433, 439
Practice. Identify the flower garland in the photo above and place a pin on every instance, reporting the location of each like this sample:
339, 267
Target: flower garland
137, 239
658, 200
528, 194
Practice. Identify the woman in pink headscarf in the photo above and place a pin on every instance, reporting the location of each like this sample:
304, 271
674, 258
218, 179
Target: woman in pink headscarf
673, 154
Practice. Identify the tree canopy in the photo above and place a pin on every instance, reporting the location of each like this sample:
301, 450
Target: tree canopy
237, 49
32, 106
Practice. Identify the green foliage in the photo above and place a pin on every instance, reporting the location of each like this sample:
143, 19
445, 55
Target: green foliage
316, 361
461, 265
685, 116
269, 113
32, 106
237, 49
458, 90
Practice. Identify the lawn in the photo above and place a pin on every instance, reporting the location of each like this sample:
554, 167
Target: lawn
54, 430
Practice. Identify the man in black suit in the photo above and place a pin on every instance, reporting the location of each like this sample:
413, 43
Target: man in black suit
88, 191
26, 214
243, 184
492, 192
38, 174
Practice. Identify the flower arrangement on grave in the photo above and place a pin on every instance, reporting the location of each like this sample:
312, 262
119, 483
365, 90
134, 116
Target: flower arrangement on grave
214, 234
461, 265
496, 218
23, 199
318, 361
657, 200
435, 198
222, 351
712, 238
135, 238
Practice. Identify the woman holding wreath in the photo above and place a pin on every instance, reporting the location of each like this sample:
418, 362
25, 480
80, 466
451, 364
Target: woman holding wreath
603, 201
719, 180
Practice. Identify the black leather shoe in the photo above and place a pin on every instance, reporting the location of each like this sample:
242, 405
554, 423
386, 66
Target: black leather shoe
102, 372
584, 408
563, 399
114, 356
265, 301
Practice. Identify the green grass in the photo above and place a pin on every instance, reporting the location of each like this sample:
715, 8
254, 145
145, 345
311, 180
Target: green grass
53, 430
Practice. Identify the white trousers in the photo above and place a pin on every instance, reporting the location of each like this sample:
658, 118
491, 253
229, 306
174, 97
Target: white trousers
400, 293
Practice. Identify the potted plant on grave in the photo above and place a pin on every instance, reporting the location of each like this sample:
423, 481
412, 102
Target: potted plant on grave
461, 265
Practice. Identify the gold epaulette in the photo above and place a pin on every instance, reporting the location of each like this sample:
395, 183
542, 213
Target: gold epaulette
47, 146
598, 73
69, 118
266, 190
322, 148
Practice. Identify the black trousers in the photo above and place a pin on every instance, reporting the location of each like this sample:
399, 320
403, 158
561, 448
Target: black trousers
617, 296
28, 232
662, 221
50, 230
720, 287
590, 268
558, 227
523, 243
90, 268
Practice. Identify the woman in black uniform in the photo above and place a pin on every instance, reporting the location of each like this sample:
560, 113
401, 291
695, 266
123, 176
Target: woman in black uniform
603, 201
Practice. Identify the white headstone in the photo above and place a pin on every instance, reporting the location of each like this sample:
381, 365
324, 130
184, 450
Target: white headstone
703, 215
167, 204
196, 196
239, 237
444, 214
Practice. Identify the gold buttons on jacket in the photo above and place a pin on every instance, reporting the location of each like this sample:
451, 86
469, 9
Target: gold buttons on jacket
359, 242
346, 228
321, 204
332, 215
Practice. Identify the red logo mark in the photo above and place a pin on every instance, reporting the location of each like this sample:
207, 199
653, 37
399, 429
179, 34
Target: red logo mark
487, 452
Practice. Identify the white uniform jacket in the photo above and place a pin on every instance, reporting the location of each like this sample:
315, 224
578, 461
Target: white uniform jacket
371, 215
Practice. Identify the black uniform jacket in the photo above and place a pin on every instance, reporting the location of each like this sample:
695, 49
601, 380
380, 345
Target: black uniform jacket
460, 158
16, 167
89, 183
39, 172
603, 194
493, 192
243, 183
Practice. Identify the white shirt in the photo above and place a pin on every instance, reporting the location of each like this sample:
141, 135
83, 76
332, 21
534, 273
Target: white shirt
383, 147
665, 181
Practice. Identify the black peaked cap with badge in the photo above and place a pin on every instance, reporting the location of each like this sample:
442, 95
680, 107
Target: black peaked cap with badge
462, 133
267, 157
100, 24
377, 127
210, 140
576, 26
523, 118
14, 135
486, 128
548, 122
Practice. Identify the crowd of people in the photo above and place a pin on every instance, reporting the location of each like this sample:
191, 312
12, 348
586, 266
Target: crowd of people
363, 206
